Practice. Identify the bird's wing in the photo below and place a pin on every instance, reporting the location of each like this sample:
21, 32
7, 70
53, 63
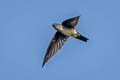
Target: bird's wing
71, 23
55, 44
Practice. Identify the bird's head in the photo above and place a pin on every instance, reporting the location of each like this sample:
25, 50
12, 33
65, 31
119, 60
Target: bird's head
57, 26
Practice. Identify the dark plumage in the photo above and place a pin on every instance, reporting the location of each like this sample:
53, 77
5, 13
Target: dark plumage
64, 30
82, 38
55, 44
71, 23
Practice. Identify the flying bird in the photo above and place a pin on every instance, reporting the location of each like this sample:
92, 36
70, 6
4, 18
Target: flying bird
64, 31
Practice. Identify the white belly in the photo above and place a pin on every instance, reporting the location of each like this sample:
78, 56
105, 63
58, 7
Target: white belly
69, 32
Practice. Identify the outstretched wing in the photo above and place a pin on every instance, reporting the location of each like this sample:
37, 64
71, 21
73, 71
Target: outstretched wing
71, 23
55, 44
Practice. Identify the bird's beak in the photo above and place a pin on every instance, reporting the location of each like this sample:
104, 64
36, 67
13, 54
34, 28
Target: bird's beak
54, 25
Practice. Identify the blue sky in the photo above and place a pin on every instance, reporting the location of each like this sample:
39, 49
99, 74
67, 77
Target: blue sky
25, 32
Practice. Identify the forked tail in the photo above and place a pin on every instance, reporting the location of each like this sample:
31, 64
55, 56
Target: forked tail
81, 37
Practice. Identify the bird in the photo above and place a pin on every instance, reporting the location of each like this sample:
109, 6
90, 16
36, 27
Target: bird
64, 30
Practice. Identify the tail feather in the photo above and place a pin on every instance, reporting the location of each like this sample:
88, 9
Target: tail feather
80, 37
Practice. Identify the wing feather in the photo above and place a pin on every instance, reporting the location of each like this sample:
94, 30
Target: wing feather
56, 43
71, 23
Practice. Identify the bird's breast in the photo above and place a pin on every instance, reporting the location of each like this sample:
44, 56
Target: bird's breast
69, 32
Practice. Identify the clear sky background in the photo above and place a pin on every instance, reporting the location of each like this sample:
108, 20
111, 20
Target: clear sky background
25, 32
